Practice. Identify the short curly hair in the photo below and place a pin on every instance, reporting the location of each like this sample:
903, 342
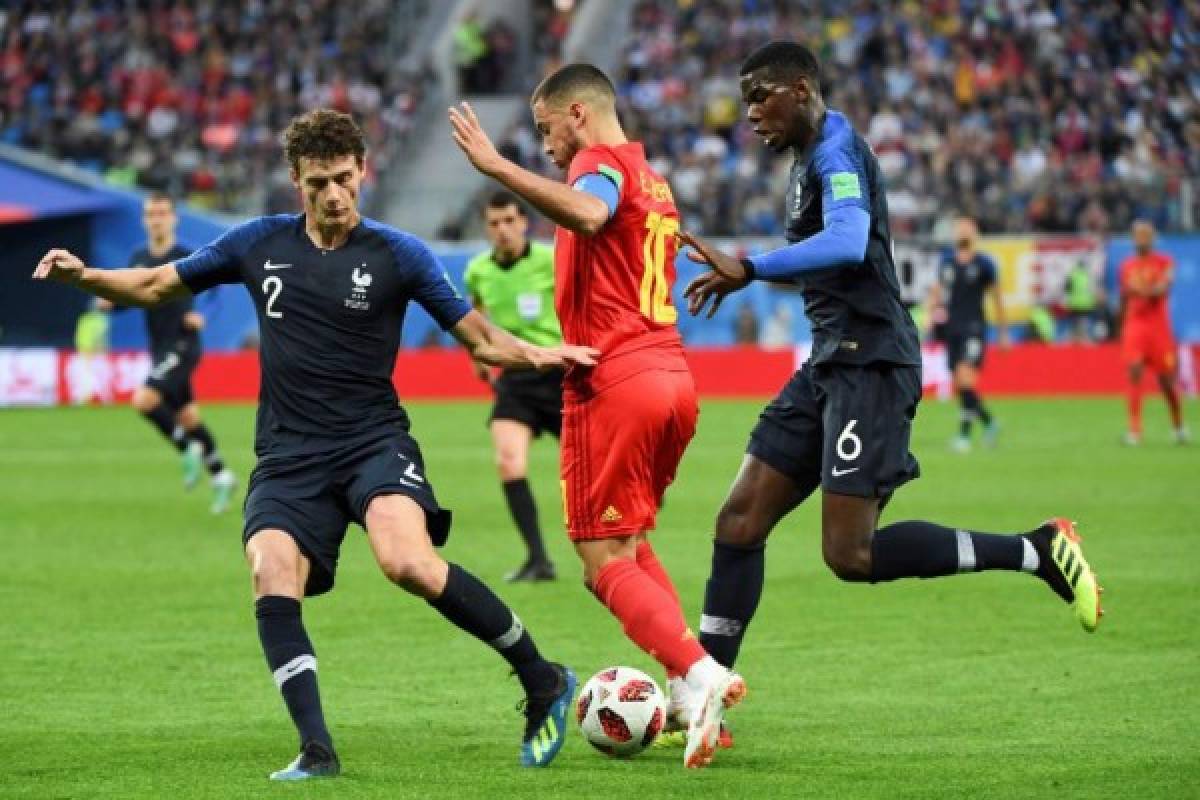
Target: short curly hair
323, 134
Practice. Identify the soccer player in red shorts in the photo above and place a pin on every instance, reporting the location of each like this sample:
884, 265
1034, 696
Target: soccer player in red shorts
626, 422
1146, 338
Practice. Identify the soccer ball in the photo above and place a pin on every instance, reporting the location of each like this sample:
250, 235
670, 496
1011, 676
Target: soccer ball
620, 711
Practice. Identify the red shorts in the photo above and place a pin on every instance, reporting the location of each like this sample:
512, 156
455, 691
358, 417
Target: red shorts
620, 450
1151, 345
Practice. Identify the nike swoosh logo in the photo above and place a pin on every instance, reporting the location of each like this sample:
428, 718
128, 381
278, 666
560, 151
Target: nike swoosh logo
837, 473
269, 265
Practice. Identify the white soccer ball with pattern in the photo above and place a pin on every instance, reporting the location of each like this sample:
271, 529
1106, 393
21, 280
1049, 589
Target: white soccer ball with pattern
620, 711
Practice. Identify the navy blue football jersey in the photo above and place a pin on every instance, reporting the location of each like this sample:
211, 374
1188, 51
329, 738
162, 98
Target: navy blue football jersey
165, 328
329, 320
856, 313
963, 287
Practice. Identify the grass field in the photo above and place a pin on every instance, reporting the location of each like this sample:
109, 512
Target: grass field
130, 665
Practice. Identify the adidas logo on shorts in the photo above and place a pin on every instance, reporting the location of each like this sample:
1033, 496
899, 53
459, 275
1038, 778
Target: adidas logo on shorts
611, 515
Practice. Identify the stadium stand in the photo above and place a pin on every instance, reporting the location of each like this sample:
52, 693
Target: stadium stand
190, 97
1038, 117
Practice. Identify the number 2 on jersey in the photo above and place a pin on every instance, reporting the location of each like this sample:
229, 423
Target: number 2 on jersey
272, 286
655, 293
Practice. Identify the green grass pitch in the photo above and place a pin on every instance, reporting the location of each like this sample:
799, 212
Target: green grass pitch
129, 664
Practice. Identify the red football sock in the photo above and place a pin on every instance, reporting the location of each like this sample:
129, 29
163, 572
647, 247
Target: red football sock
1134, 401
1176, 408
647, 559
648, 613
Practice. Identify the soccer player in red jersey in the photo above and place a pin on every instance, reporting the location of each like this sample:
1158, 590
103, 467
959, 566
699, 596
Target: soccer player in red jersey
627, 421
1146, 338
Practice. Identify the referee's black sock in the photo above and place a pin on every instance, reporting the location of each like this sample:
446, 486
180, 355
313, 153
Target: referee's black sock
294, 664
730, 599
212, 459
524, 513
476, 609
162, 416
916, 549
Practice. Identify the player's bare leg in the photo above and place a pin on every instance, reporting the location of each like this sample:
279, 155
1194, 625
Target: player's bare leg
855, 550
396, 529
279, 572
1133, 434
1170, 390
511, 440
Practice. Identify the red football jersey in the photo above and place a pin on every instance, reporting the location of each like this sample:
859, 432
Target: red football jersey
613, 290
1152, 269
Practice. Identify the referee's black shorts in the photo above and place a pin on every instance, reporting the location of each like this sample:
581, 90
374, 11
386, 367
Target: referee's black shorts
530, 397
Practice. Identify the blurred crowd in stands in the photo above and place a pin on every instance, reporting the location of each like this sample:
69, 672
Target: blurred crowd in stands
1030, 115
190, 97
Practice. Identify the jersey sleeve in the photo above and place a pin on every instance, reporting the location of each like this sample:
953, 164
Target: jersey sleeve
598, 163
843, 178
427, 280
219, 261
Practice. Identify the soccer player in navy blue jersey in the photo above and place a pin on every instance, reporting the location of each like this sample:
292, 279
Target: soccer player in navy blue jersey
842, 422
965, 276
173, 329
330, 289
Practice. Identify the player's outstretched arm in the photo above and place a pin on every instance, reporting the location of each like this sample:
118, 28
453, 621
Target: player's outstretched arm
136, 286
728, 274
580, 212
499, 348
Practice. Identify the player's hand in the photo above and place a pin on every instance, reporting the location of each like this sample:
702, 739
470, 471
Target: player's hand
100, 304
193, 321
470, 136
728, 275
566, 355
61, 266
1003, 339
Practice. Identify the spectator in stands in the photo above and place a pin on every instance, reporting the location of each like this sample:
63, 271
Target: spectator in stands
190, 97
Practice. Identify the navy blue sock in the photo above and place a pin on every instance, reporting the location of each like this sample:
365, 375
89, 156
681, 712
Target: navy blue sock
162, 417
730, 599
916, 549
212, 459
476, 609
294, 664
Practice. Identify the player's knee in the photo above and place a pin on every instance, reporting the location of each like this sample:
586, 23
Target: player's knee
143, 401
850, 562
511, 465
420, 573
739, 525
276, 575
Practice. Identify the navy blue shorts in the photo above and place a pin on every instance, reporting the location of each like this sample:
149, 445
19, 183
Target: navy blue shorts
965, 349
313, 487
844, 428
171, 376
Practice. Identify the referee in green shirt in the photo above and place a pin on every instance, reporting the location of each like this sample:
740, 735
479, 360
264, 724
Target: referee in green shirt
513, 284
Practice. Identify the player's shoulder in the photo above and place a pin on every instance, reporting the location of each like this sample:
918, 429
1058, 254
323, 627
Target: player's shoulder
480, 262
837, 137
541, 251
407, 248
245, 235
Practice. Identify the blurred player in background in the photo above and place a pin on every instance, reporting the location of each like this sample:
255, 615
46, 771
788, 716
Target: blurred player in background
331, 289
173, 329
627, 422
1146, 338
843, 421
513, 285
964, 277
